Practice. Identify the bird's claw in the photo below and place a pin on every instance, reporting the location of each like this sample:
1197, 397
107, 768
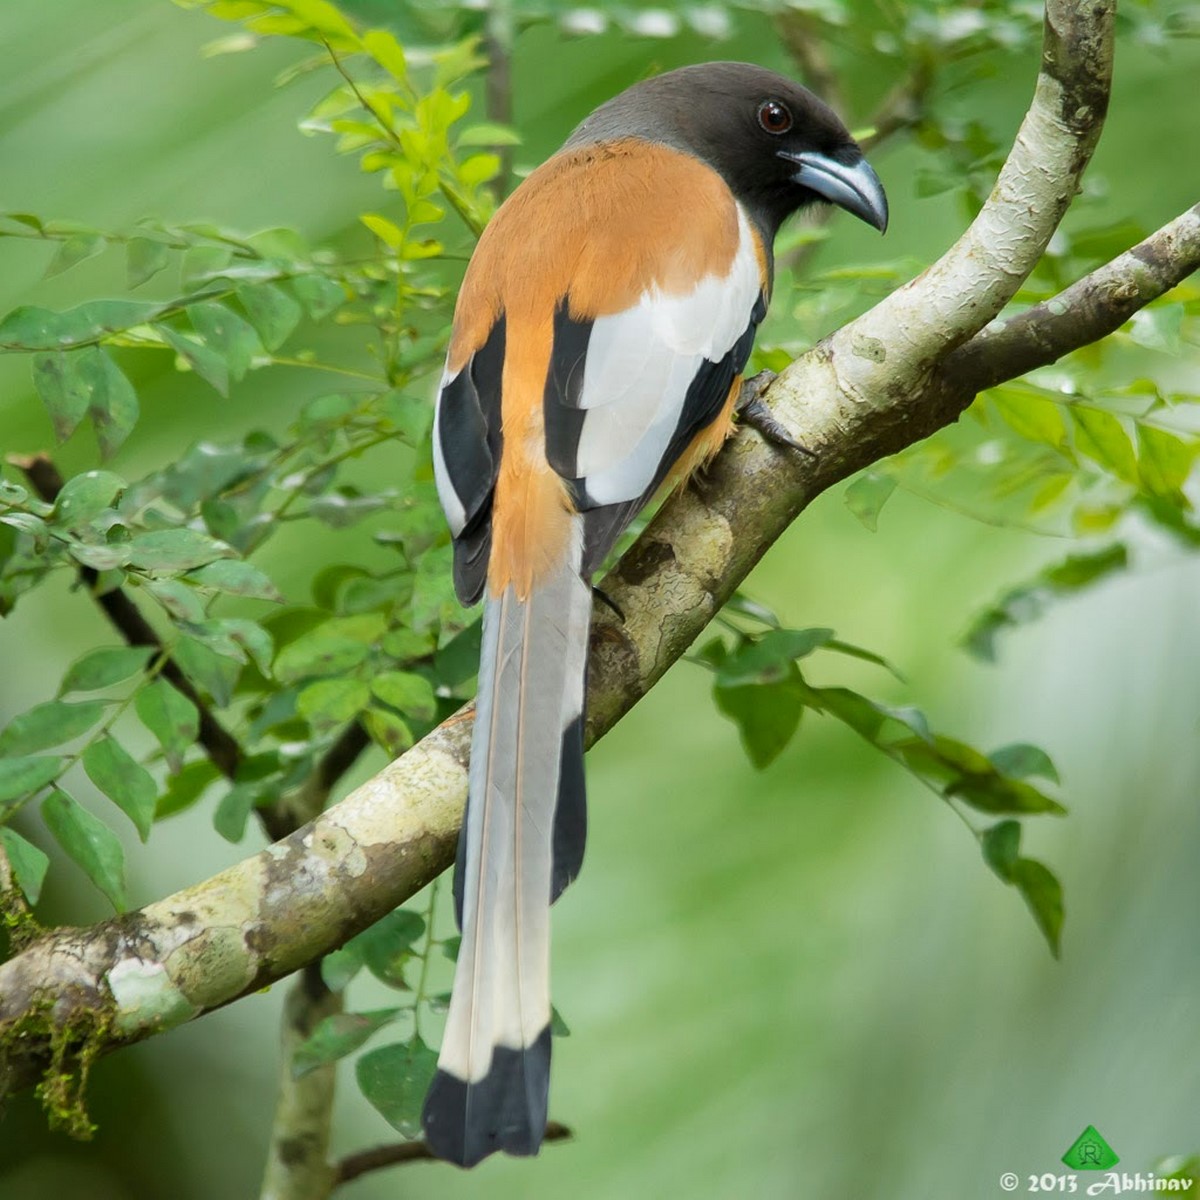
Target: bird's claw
752, 410
608, 602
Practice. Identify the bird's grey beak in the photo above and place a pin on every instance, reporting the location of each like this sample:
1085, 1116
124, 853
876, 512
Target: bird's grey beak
852, 186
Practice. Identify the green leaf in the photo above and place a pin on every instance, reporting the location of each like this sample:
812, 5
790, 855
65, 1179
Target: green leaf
386, 947
767, 716
996, 794
338, 510
228, 334
319, 295
73, 384
411, 415
210, 366
216, 675
852, 651
332, 702
233, 811
388, 731
1021, 760
485, 133
339, 1035
1001, 847
331, 649
185, 788
175, 550
742, 605
203, 263
124, 781
100, 557
864, 716
457, 661
1100, 436
340, 967
404, 645
28, 863
1165, 459
47, 725
387, 231
558, 1027
171, 717
406, 691
387, 52
1031, 413
768, 659
1158, 327
479, 168
144, 258
206, 362
394, 1079
93, 846
29, 328
86, 496
271, 311
867, 495
236, 577
23, 775
102, 668
73, 250
65, 388
1043, 893
180, 601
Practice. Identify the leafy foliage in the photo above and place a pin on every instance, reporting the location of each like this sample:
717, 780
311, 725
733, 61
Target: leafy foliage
758, 684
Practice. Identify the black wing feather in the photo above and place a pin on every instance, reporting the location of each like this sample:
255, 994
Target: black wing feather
470, 442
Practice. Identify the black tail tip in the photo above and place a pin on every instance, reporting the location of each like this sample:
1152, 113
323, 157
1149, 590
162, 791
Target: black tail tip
504, 1111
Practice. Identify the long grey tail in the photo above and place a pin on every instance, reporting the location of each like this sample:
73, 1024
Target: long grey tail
521, 844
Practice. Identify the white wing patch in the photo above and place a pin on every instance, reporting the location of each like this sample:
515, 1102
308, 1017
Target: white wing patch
452, 506
640, 364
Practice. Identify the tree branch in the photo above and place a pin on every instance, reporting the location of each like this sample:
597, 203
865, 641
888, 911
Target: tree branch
297, 1163
353, 1166
1096, 306
867, 391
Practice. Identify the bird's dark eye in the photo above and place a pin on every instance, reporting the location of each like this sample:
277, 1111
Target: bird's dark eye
774, 116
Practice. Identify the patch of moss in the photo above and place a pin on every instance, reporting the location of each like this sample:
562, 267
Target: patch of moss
74, 1044
20, 923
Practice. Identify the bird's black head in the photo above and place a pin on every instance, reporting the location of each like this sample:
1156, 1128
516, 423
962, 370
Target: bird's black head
777, 146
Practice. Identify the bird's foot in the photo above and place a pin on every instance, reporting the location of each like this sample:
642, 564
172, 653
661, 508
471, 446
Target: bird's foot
752, 410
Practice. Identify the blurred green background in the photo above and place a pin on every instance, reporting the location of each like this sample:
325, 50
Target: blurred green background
789, 984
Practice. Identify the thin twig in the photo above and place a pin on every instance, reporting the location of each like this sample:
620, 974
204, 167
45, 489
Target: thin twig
353, 1166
